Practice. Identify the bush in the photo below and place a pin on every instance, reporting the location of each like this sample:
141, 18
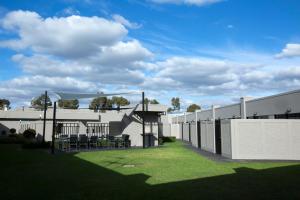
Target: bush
29, 133
36, 145
160, 141
3, 133
12, 131
16, 139
168, 139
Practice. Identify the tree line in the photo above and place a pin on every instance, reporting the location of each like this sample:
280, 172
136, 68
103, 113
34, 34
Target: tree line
98, 103
95, 104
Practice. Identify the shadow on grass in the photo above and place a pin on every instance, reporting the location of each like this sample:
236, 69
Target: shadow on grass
37, 175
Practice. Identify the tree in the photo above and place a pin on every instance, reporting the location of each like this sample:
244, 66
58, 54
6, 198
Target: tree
100, 103
193, 108
175, 103
3, 103
154, 101
120, 101
170, 110
146, 101
150, 101
68, 104
39, 102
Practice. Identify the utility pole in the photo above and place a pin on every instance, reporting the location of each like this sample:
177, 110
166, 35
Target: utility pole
45, 113
53, 128
143, 117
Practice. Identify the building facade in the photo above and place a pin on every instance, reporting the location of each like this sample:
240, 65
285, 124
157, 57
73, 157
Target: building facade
262, 128
114, 123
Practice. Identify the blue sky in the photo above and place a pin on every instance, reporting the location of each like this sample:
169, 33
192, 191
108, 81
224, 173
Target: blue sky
204, 51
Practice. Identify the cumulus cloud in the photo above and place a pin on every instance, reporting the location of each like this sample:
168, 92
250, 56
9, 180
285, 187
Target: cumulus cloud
120, 19
70, 37
188, 2
88, 54
290, 50
195, 72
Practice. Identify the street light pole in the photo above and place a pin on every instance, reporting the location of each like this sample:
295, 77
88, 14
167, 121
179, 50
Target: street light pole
53, 128
45, 113
143, 117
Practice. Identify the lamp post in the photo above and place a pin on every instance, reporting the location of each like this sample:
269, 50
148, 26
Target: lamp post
45, 113
143, 117
53, 128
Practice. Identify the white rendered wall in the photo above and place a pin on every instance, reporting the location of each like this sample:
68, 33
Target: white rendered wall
276, 104
175, 130
193, 134
226, 138
180, 131
228, 112
208, 136
265, 139
186, 132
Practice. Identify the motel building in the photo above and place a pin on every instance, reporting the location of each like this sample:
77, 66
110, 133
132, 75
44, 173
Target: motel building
102, 124
266, 128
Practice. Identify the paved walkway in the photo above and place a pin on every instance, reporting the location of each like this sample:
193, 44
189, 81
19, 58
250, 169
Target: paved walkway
209, 155
219, 158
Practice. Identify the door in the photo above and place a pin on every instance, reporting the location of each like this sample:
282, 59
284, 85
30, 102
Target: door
199, 133
218, 141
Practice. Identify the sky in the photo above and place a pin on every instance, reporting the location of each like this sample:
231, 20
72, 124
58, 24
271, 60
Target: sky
208, 52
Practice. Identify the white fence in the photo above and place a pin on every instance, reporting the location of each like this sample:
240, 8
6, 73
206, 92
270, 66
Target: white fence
208, 136
264, 139
186, 132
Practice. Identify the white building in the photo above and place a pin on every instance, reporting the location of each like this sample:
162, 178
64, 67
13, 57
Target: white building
263, 128
113, 123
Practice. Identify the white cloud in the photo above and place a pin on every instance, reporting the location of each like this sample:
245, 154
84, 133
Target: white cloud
70, 37
120, 19
187, 2
290, 50
91, 53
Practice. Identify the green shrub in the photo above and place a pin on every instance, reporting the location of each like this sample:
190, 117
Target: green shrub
29, 133
162, 140
3, 133
169, 139
13, 139
36, 145
12, 131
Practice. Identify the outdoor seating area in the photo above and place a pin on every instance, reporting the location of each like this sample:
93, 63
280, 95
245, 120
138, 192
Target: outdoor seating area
84, 142
96, 137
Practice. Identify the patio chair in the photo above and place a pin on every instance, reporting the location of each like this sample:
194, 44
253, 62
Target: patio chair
111, 141
63, 142
127, 142
83, 140
120, 143
73, 141
93, 141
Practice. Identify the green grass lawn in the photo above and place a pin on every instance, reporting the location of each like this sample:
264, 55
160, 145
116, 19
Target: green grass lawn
170, 172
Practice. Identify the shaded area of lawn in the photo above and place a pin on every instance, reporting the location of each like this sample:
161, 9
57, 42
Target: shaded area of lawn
171, 172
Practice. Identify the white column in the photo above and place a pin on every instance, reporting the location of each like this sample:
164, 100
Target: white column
213, 110
243, 108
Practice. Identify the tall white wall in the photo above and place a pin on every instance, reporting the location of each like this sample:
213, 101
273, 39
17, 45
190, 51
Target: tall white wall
186, 132
180, 131
276, 104
175, 131
226, 138
194, 135
265, 139
208, 136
